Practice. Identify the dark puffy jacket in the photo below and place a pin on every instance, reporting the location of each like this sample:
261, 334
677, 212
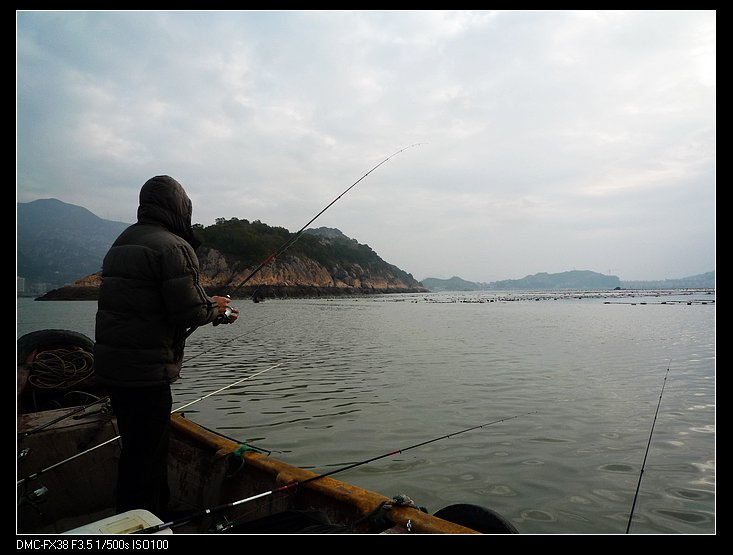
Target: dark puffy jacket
150, 293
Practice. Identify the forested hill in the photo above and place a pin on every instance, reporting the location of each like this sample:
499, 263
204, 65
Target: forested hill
319, 258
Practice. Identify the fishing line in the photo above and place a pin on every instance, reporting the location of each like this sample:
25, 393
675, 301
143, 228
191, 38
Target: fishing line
43, 471
297, 235
292, 485
641, 473
220, 343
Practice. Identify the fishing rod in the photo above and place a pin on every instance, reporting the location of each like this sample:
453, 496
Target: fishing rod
291, 485
297, 235
43, 471
641, 473
226, 387
69, 414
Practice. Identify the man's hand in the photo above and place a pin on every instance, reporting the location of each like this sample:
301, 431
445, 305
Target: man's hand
227, 313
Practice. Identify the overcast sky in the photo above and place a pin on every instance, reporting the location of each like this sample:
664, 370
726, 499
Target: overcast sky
552, 140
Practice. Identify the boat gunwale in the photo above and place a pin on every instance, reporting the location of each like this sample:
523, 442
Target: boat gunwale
364, 501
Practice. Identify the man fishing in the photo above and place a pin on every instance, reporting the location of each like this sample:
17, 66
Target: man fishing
149, 301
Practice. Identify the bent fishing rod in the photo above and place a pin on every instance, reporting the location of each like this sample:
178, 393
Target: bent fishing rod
287, 244
206, 512
43, 471
641, 473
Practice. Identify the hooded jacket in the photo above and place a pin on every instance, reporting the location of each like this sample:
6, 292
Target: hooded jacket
150, 293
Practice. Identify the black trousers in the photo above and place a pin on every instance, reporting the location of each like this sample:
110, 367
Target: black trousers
143, 418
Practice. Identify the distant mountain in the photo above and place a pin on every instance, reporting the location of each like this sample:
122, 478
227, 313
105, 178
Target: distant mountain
453, 284
576, 279
58, 243
699, 281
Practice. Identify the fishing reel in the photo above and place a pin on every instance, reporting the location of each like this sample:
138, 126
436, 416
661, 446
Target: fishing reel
33, 497
224, 318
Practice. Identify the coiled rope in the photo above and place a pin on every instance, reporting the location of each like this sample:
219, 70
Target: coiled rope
61, 368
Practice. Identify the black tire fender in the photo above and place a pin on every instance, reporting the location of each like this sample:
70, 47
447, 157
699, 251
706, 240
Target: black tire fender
477, 518
50, 338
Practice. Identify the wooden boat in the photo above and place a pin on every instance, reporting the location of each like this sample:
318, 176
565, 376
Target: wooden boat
68, 448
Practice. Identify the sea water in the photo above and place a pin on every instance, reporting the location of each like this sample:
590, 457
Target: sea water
538, 406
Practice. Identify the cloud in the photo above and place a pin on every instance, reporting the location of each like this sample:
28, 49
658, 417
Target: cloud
545, 130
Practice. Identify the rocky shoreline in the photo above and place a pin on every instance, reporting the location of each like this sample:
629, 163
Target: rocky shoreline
90, 292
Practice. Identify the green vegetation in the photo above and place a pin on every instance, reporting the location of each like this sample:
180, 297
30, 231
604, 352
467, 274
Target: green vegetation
242, 243
245, 244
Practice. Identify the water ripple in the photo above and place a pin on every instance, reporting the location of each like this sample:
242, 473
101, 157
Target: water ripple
575, 383
688, 517
536, 514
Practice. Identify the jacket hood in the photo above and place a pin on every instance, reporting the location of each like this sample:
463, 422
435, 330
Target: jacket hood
163, 201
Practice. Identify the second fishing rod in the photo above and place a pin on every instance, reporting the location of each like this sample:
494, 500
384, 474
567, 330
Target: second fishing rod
291, 486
